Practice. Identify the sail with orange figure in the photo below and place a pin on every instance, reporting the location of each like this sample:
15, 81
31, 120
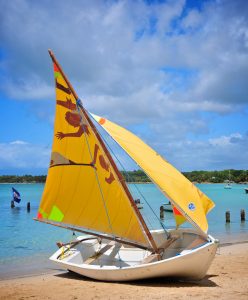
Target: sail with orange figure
85, 192
82, 185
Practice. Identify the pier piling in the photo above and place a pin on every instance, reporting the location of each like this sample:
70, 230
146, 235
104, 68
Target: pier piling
228, 216
242, 215
161, 212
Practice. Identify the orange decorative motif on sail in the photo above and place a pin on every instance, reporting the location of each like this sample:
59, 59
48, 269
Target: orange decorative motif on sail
82, 187
103, 164
73, 118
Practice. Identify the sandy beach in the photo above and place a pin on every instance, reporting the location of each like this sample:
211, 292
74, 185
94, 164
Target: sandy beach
227, 278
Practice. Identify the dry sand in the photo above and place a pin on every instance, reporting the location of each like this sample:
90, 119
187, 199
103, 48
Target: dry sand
227, 278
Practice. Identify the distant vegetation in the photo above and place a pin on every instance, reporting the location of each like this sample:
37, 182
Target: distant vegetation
22, 179
135, 176
237, 176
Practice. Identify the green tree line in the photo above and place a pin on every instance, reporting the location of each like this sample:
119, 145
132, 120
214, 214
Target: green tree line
237, 176
22, 179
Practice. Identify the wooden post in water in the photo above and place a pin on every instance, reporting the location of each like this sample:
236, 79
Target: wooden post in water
28, 207
161, 212
12, 204
228, 216
242, 215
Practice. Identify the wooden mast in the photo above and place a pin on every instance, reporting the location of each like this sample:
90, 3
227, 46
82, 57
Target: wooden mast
121, 180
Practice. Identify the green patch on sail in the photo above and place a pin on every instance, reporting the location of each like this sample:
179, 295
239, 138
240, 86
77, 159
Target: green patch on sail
56, 214
43, 213
56, 74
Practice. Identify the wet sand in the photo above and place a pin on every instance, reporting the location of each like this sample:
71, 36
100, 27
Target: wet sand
227, 278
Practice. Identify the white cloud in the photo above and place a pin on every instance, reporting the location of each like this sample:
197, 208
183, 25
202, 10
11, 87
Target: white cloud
23, 155
161, 64
96, 44
193, 20
18, 143
224, 141
224, 152
28, 89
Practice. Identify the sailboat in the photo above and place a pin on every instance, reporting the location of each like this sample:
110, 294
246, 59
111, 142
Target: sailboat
86, 193
228, 185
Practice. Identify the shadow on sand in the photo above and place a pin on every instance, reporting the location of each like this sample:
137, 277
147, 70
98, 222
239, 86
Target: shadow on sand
154, 282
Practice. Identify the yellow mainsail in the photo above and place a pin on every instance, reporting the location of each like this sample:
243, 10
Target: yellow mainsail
189, 201
82, 187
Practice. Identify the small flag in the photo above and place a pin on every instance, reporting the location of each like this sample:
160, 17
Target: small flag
16, 195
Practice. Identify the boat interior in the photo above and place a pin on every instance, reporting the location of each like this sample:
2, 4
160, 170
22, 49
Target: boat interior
92, 251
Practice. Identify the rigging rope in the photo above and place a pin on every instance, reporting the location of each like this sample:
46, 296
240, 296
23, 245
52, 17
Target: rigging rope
135, 185
80, 106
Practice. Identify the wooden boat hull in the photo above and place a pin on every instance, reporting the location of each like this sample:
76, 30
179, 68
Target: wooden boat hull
190, 264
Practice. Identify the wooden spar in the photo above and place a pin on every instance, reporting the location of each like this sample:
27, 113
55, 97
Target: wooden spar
138, 214
63, 74
116, 239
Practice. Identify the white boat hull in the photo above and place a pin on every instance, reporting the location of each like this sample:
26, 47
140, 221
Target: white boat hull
129, 264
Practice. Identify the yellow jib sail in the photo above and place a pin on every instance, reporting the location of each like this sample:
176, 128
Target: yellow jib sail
82, 188
184, 195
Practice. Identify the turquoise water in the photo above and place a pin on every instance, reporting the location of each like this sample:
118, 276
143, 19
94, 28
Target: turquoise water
25, 244
233, 200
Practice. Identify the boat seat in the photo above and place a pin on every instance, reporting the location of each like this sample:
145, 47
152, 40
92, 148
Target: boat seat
196, 243
168, 242
99, 253
150, 258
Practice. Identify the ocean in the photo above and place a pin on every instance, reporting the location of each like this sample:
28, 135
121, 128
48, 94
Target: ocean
25, 244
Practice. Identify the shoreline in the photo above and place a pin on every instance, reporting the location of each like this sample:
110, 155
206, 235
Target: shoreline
227, 278
39, 263
49, 268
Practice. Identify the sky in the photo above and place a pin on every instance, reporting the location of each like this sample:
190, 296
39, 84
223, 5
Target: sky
173, 72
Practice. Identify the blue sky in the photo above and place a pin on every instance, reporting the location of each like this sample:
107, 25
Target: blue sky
173, 72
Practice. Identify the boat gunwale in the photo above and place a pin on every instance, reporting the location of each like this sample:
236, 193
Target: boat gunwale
211, 241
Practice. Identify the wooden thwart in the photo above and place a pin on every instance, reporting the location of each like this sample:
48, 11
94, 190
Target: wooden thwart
150, 258
168, 242
196, 243
100, 253
154, 256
